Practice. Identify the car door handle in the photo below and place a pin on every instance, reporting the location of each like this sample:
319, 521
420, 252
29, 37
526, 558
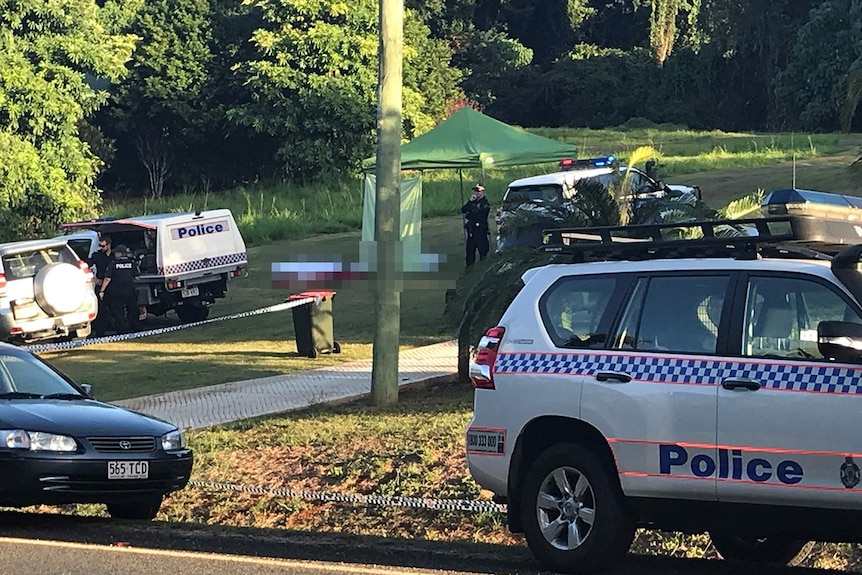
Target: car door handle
740, 382
604, 376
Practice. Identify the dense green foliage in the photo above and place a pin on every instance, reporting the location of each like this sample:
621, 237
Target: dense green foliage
207, 95
48, 51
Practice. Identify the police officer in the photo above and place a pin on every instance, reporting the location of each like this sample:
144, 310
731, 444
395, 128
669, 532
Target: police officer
476, 211
119, 283
98, 262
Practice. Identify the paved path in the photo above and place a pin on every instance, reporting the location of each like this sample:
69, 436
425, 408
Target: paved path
216, 404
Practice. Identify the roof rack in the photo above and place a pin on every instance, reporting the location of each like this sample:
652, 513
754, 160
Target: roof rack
798, 237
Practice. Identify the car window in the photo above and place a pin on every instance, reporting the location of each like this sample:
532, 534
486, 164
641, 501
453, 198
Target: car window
27, 264
640, 184
572, 310
81, 248
24, 374
550, 193
782, 314
676, 314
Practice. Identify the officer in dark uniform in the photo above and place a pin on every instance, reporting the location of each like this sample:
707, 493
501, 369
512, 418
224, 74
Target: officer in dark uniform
476, 212
98, 262
119, 284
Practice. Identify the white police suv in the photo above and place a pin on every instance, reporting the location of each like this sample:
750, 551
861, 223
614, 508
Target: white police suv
695, 385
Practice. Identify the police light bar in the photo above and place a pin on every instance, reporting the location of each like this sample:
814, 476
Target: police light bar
601, 162
823, 205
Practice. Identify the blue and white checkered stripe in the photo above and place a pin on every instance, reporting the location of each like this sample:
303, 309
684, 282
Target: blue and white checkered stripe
788, 376
204, 264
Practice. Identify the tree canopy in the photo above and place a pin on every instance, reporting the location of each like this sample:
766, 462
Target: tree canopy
165, 96
51, 54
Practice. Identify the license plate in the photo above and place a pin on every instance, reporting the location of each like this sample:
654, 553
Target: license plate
190, 292
128, 469
487, 441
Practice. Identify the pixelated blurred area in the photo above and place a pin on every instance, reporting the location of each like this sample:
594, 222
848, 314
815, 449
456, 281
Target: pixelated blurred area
430, 269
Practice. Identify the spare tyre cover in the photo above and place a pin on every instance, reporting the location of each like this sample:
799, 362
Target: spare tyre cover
60, 288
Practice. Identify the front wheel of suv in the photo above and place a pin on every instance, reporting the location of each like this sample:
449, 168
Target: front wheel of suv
573, 511
768, 550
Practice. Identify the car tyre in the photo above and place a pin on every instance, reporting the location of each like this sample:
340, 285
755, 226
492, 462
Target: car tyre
145, 509
573, 511
192, 313
769, 550
336, 347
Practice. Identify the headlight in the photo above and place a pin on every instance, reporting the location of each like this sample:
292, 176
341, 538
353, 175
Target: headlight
36, 440
173, 441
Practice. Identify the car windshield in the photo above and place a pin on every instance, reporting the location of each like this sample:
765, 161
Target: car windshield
27, 264
22, 373
548, 193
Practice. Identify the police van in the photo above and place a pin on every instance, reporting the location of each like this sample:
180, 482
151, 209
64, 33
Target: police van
685, 377
187, 260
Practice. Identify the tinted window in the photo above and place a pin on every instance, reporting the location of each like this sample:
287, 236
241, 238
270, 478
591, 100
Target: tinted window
81, 247
782, 314
572, 310
550, 193
27, 374
677, 314
27, 264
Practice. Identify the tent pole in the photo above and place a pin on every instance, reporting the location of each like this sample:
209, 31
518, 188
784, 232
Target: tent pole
461, 176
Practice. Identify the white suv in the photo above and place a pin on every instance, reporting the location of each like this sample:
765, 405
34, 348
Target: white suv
700, 385
46, 292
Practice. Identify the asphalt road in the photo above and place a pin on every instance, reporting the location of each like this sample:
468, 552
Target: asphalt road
42, 544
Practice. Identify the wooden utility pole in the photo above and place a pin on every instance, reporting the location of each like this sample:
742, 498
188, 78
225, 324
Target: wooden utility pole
387, 206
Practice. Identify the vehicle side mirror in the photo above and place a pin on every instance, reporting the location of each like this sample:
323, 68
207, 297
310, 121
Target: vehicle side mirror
87, 388
840, 340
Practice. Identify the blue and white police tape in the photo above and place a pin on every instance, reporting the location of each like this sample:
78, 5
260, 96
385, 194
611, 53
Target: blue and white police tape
468, 505
64, 345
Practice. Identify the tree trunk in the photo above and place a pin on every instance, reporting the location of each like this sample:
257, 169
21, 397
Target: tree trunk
153, 153
387, 217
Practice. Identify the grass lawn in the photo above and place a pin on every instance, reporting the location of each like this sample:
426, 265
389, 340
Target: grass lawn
263, 345
725, 166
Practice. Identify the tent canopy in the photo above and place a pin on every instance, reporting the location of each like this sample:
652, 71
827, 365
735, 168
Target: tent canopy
470, 139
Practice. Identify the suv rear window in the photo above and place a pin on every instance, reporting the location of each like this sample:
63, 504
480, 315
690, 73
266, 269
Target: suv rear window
572, 310
548, 193
27, 264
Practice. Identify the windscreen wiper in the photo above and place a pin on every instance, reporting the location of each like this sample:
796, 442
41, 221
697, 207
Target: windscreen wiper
65, 396
20, 395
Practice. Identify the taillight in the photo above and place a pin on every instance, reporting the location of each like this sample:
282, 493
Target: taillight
236, 273
482, 368
2, 285
175, 284
85, 268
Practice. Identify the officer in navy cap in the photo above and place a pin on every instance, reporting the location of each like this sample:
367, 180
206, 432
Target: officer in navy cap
118, 288
476, 232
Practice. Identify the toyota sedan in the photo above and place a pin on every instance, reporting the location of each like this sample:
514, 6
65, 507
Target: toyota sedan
59, 445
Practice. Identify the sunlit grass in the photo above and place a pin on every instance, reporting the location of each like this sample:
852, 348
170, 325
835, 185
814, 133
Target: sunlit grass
278, 212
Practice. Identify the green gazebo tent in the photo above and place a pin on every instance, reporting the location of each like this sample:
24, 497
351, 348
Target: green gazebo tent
467, 139
470, 139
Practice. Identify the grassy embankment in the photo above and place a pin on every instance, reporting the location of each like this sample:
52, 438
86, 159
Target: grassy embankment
281, 222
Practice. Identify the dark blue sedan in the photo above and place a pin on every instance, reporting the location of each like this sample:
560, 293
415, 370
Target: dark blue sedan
58, 445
